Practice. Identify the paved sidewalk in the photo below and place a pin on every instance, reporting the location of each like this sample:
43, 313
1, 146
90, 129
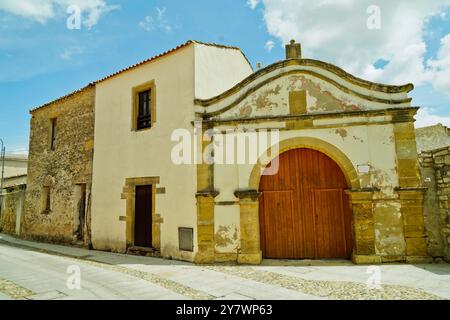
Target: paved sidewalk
38, 271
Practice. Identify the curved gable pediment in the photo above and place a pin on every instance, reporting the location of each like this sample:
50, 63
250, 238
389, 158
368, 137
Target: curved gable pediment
322, 87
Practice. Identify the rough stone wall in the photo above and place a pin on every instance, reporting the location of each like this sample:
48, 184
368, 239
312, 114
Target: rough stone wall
435, 170
11, 199
61, 169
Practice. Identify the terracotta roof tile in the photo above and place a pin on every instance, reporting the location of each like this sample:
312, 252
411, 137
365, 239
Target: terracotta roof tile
137, 65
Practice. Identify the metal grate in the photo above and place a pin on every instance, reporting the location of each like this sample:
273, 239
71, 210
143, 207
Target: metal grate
186, 239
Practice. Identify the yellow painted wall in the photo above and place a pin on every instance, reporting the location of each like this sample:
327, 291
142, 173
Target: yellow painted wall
218, 69
121, 153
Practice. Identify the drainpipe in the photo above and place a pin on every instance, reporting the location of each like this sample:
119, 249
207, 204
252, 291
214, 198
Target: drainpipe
2, 153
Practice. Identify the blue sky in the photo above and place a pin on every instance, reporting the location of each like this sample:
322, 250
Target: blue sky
41, 59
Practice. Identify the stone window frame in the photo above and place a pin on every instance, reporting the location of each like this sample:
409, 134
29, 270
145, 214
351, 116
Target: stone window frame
129, 194
150, 85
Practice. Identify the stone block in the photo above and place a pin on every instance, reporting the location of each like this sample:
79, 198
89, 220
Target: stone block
365, 246
416, 246
439, 160
392, 258
414, 219
250, 258
419, 259
366, 259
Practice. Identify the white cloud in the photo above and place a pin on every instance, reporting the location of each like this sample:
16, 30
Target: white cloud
68, 53
147, 24
441, 67
252, 3
40, 11
43, 10
160, 13
269, 45
94, 9
336, 31
155, 21
426, 117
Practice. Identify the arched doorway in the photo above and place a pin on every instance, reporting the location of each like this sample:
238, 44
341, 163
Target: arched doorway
304, 211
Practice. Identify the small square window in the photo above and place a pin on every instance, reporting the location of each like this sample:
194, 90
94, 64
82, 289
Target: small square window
186, 239
144, 118
143, 106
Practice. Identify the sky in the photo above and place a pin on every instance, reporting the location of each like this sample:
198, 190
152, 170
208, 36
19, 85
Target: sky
45, 54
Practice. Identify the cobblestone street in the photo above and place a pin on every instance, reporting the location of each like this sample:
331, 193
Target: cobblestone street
30, 270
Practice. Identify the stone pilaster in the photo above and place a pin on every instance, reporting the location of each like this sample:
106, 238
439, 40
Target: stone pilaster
410, 189
406, 149
205, 204
205, 226
361, 202
411, 200
250, 248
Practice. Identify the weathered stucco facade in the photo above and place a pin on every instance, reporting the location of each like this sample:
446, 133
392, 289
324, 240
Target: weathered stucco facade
59, 178
210, 211
366, 128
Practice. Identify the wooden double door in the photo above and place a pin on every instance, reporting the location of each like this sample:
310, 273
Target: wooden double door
304, 211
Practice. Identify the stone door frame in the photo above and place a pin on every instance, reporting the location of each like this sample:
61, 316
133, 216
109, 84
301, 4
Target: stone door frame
129, 194
362, 212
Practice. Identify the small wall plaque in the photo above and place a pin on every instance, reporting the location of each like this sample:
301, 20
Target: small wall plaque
363, 168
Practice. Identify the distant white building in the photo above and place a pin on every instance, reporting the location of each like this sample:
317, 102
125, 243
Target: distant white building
15, 170
432, 138
13, 192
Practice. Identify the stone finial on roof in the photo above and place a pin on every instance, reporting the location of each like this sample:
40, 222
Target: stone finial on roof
293, 50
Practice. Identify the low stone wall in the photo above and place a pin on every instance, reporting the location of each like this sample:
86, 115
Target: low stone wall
12, 208
435, 170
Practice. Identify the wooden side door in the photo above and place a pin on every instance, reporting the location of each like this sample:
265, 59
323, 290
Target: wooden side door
143, 217
277, 234
333, 236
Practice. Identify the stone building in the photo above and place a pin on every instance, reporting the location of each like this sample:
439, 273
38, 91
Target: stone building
13, 193
57, 200
335, 174
432, 138
434, 145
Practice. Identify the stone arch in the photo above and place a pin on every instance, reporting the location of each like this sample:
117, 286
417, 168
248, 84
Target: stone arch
249, 198
311, 143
